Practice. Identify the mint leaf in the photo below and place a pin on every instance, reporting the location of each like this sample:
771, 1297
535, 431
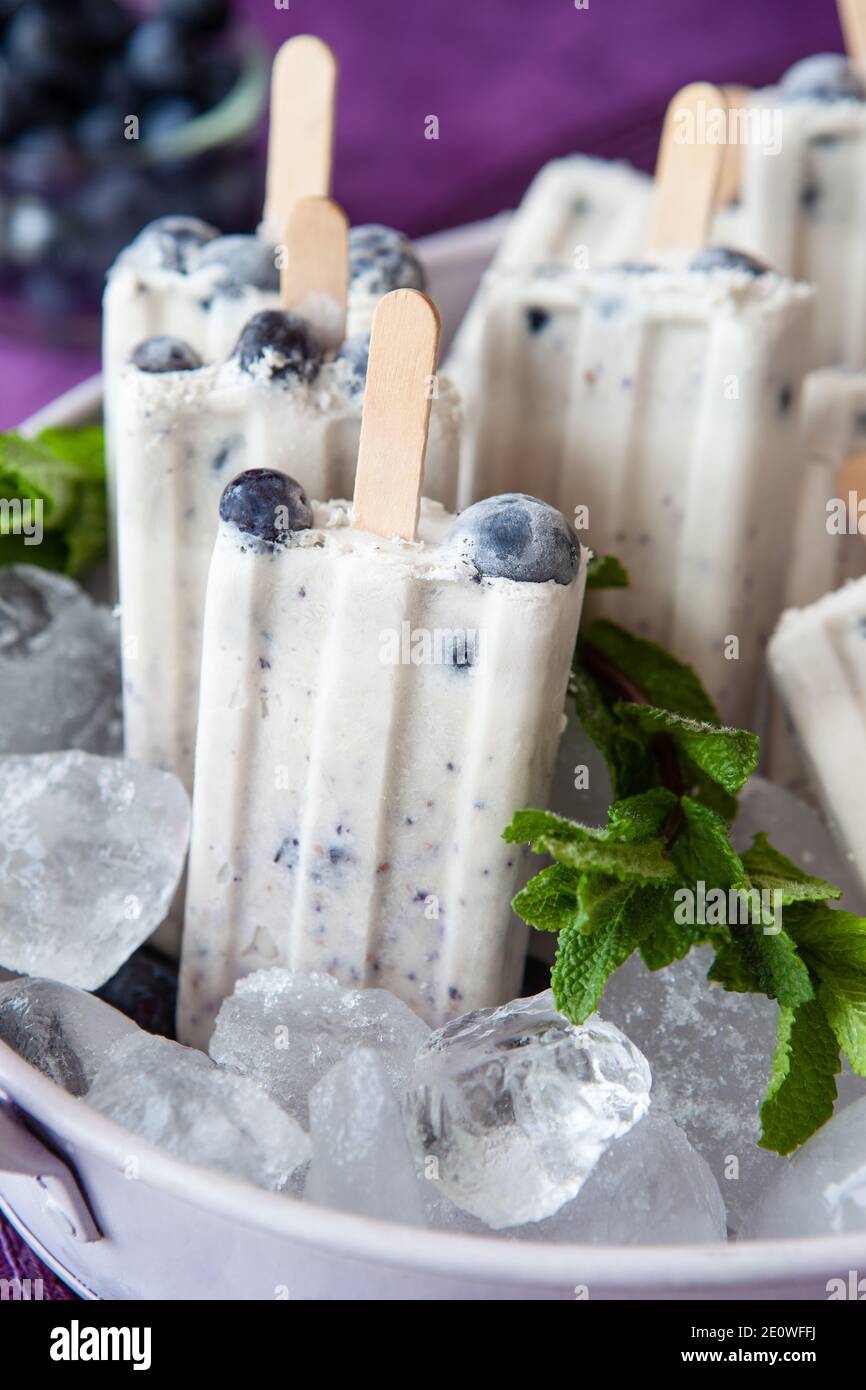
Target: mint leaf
605, 572
833, 945
83, 447
703, 851
802, 1090
630, 764
639, 862
769, 869
586, 958
535, 827
665, 681
636, 817
549, 901
728, 756
64, 470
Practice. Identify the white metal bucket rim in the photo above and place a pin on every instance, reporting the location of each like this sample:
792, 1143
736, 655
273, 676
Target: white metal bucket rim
476, 1257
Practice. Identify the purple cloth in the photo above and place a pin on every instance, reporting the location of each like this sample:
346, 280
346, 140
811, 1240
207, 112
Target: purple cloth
513, 83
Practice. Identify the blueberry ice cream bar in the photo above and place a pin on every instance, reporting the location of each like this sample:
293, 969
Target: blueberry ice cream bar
817, 658
576, 210
181, 278
827, 546
377, 699
658, 403
801, 206
185, 431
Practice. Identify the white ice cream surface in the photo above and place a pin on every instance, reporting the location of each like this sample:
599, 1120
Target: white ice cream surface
666, 401
372, 714
817, 657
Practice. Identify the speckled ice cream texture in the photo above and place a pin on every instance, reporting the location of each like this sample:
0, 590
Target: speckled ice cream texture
667, 403
349, 804
183, 435
577, 206
800, 211
817, 659
821, 559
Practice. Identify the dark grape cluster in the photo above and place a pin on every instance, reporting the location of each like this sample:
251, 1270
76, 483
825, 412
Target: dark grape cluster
78, 176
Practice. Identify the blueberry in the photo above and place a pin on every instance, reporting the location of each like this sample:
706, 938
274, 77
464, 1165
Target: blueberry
166, 116
102, 128
216, 76
384, 260
243, 260
198, 16
145, 989
284, 344
518, 537
355, 352
105, 23
537, 319
159, 56
170, 243
49, 44
636, 267
17, 103
823, 77
33, 230
165, 354
266, 504
42, 157
723, 258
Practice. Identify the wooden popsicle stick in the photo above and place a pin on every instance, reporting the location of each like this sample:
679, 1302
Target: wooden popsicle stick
688, 170
852, 16
728, 190
301, 136
852, 478
404, 352
314, 277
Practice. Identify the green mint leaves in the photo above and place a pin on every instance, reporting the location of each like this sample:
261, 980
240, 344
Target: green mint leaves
52, 499
663, 876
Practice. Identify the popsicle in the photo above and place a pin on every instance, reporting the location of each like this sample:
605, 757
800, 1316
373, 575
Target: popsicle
802, 206
827, 546
577, 210
382, 686
185, 430
181, 278
658, 403
817, 658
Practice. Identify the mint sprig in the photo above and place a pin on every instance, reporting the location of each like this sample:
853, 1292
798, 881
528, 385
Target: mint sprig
63, 470
627, 886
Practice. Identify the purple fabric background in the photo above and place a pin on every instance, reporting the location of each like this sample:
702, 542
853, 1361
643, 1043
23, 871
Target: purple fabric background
513, 82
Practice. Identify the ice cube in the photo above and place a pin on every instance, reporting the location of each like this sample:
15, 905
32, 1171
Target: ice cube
710, 1053
59, 666
288, 1029
63, 1031
361, 1160
91, 851
176, 1098
822, 1188
516, 1105
650, 1187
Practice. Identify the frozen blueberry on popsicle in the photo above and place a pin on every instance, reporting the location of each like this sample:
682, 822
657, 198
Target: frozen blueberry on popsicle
165, 354
243, 260
279, 344
355, 352
169, 243
266, 504
518, 537
383, 259
823, 77
723, 258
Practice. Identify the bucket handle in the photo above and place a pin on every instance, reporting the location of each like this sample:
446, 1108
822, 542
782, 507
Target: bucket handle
23, 1154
